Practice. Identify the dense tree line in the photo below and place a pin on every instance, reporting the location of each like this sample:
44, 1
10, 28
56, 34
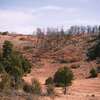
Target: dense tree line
55, 38
4, 33
84, 29
72, 30
52, 38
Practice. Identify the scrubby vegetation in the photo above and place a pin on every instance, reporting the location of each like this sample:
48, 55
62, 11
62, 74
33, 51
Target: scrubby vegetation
63, 77
50, 86
98, 69
49, 51
13, 66
27, 88
50, 90
49, 81
93, 73
34, 88
94, 51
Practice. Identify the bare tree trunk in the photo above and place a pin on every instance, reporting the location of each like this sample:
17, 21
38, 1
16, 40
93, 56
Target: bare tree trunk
65, 90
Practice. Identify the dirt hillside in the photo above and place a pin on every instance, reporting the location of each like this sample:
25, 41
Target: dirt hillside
45, 64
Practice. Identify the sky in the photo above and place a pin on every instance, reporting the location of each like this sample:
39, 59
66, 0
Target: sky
24, 16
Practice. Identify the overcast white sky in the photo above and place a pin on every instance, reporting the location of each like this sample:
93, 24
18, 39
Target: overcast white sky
24, 16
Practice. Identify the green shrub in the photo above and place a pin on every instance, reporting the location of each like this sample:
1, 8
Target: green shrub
5, 82
63, 77
98, 69
49, 81
28, 88
94, 51
1, 68
13, 63
36, 87
93, 73
7, 49
50, 89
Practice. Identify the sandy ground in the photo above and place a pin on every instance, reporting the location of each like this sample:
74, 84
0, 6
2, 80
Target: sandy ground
85, 89
81, 89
